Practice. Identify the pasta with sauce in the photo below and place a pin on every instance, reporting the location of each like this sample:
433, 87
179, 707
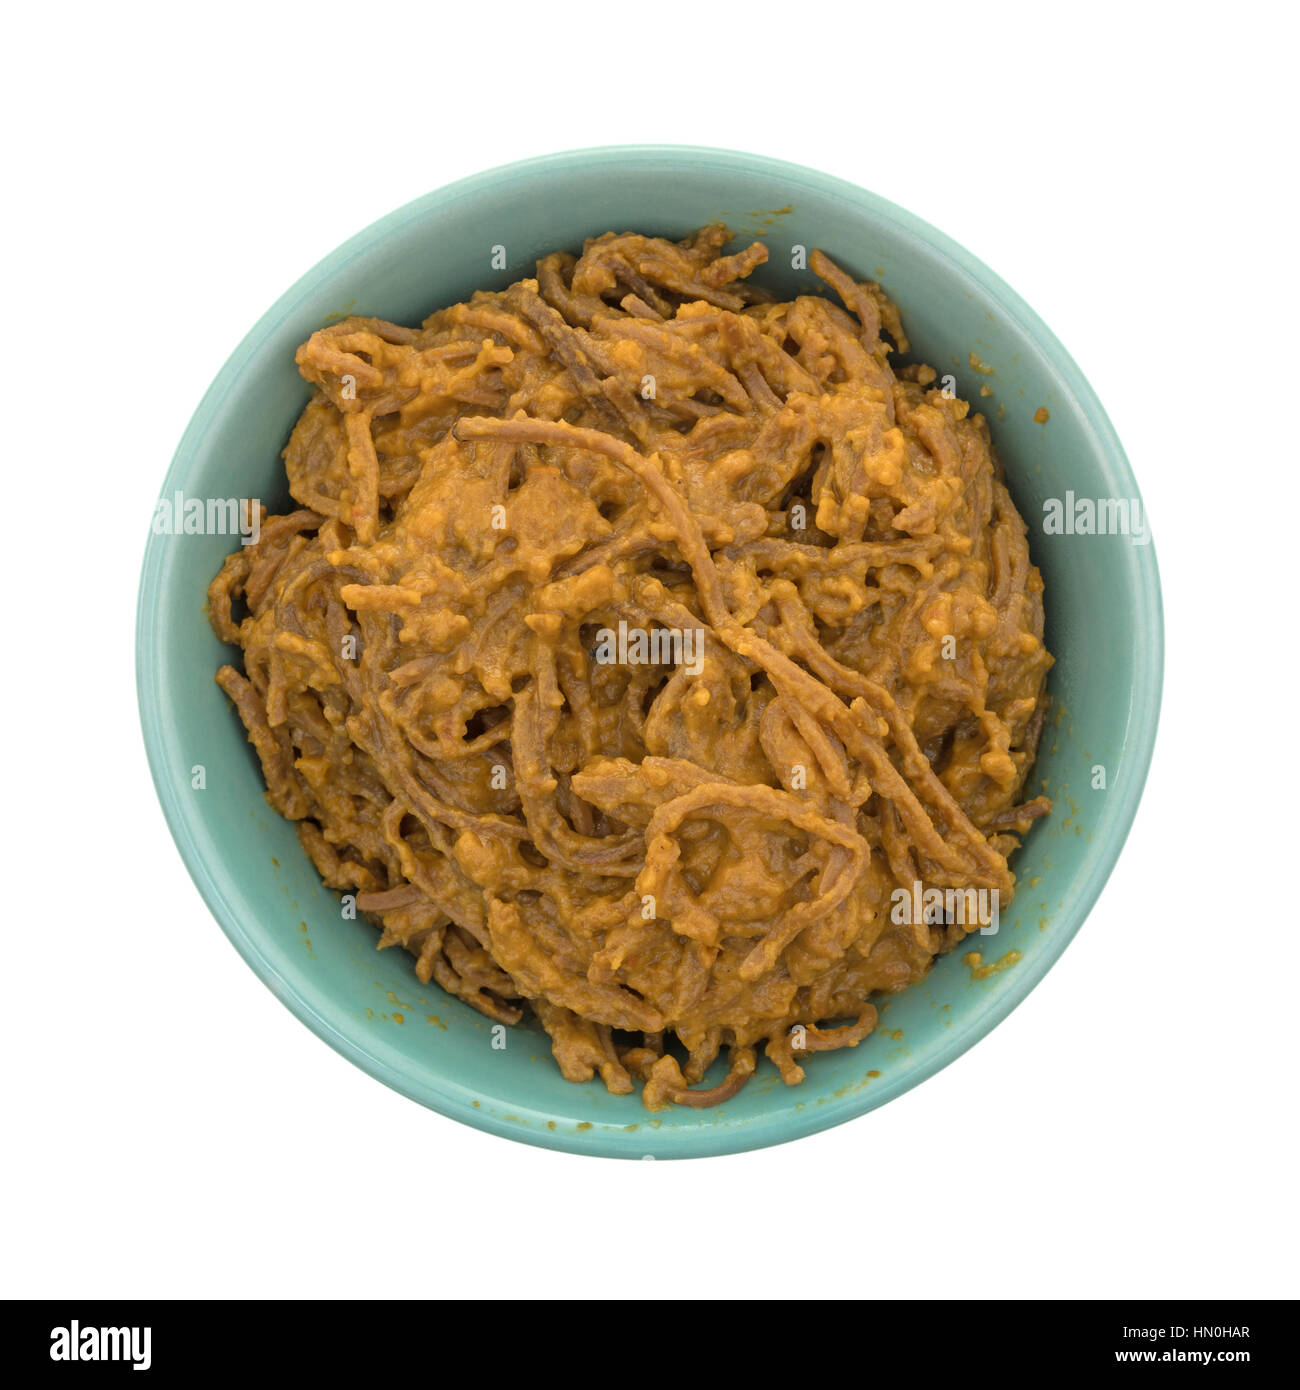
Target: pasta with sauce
661, 860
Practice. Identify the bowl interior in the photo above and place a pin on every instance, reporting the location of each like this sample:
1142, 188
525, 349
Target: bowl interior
1103, 626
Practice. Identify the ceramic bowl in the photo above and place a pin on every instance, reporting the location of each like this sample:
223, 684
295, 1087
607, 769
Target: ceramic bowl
1102, 597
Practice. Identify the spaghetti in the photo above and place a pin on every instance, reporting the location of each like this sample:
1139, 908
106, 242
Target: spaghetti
661, 859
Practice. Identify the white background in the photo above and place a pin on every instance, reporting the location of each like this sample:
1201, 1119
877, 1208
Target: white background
170, 1129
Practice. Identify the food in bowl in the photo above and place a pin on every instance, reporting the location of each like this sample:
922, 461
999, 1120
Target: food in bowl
649, 655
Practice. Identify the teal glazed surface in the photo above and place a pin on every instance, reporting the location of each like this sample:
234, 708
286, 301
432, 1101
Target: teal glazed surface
1103, 619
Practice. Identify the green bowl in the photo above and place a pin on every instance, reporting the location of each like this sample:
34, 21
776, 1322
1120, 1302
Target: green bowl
1103, 624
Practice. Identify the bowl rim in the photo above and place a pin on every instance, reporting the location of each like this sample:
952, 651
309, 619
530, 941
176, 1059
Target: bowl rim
445, 1095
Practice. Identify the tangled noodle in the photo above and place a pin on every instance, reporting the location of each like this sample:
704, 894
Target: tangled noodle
705, 850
